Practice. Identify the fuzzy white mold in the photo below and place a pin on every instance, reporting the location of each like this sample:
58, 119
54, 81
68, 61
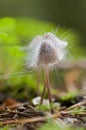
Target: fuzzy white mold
46, 50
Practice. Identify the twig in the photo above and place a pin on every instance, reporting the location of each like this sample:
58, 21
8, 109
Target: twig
28, 120
71, 64
73, 113
77, 105
2, 108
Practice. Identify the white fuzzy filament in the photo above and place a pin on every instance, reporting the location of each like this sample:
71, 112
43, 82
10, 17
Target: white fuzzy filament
46, 50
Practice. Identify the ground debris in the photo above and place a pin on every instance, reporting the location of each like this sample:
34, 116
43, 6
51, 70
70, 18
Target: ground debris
23, 116
75, 116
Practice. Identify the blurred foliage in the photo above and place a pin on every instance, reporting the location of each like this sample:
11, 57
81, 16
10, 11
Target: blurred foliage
67, 13
15, 34
69, 96
57, 126
51, 125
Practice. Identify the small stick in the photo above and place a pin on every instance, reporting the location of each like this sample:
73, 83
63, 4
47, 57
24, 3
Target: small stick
70, 112
30, 120
77, 105
81, 64
13, 107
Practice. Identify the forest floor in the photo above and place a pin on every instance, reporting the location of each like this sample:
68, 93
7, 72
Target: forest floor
15, 115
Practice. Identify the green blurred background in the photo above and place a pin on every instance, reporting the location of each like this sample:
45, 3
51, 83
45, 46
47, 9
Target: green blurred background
22, 20
68, 13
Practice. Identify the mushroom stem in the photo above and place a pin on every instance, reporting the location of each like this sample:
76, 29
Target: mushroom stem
44, 90
38, 81
47, 85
